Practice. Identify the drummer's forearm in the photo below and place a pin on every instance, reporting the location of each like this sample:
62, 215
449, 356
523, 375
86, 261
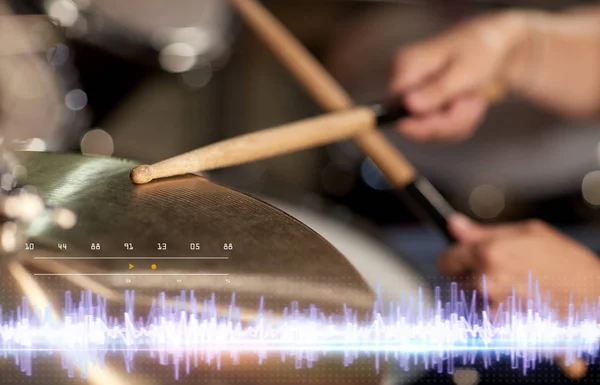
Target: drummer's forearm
558, 63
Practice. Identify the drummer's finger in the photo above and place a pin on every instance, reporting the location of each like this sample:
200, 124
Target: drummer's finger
466, 230
415, 63
456, 80
455, 123
458, 261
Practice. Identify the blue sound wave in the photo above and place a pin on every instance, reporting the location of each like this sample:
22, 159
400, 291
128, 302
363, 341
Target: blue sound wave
189, 332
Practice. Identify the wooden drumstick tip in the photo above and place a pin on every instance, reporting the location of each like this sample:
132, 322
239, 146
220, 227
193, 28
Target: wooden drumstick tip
142, 174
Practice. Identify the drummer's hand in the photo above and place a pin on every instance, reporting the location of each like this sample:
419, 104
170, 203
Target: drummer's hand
439, 78
507, 253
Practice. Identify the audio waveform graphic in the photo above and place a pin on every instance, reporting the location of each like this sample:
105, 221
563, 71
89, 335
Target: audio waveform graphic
189, 332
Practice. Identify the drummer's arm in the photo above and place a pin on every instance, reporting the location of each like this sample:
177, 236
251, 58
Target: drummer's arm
559, 63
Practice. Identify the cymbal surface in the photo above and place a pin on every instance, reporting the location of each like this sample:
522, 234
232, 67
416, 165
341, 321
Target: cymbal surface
202, 237
179, 211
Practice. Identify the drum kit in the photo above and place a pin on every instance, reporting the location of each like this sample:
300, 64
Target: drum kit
84, 249
76, 223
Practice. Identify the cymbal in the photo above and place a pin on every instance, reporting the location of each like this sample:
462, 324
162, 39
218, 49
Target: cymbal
199, 236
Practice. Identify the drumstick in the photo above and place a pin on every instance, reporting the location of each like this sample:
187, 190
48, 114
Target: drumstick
262, 144
415, 189
276, 141
331, 96
319, 83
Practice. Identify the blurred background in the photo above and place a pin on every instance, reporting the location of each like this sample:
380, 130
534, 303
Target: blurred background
147, 80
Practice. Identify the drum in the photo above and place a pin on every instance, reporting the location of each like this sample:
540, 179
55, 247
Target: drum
380, 267
181, 245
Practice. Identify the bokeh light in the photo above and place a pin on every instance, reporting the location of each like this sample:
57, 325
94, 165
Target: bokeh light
97, 142
177, 57
590, 188
487, 201
373, 176
35, 144
65, 11
466, 377
64, 218
76, 100
199, 77
58, 55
